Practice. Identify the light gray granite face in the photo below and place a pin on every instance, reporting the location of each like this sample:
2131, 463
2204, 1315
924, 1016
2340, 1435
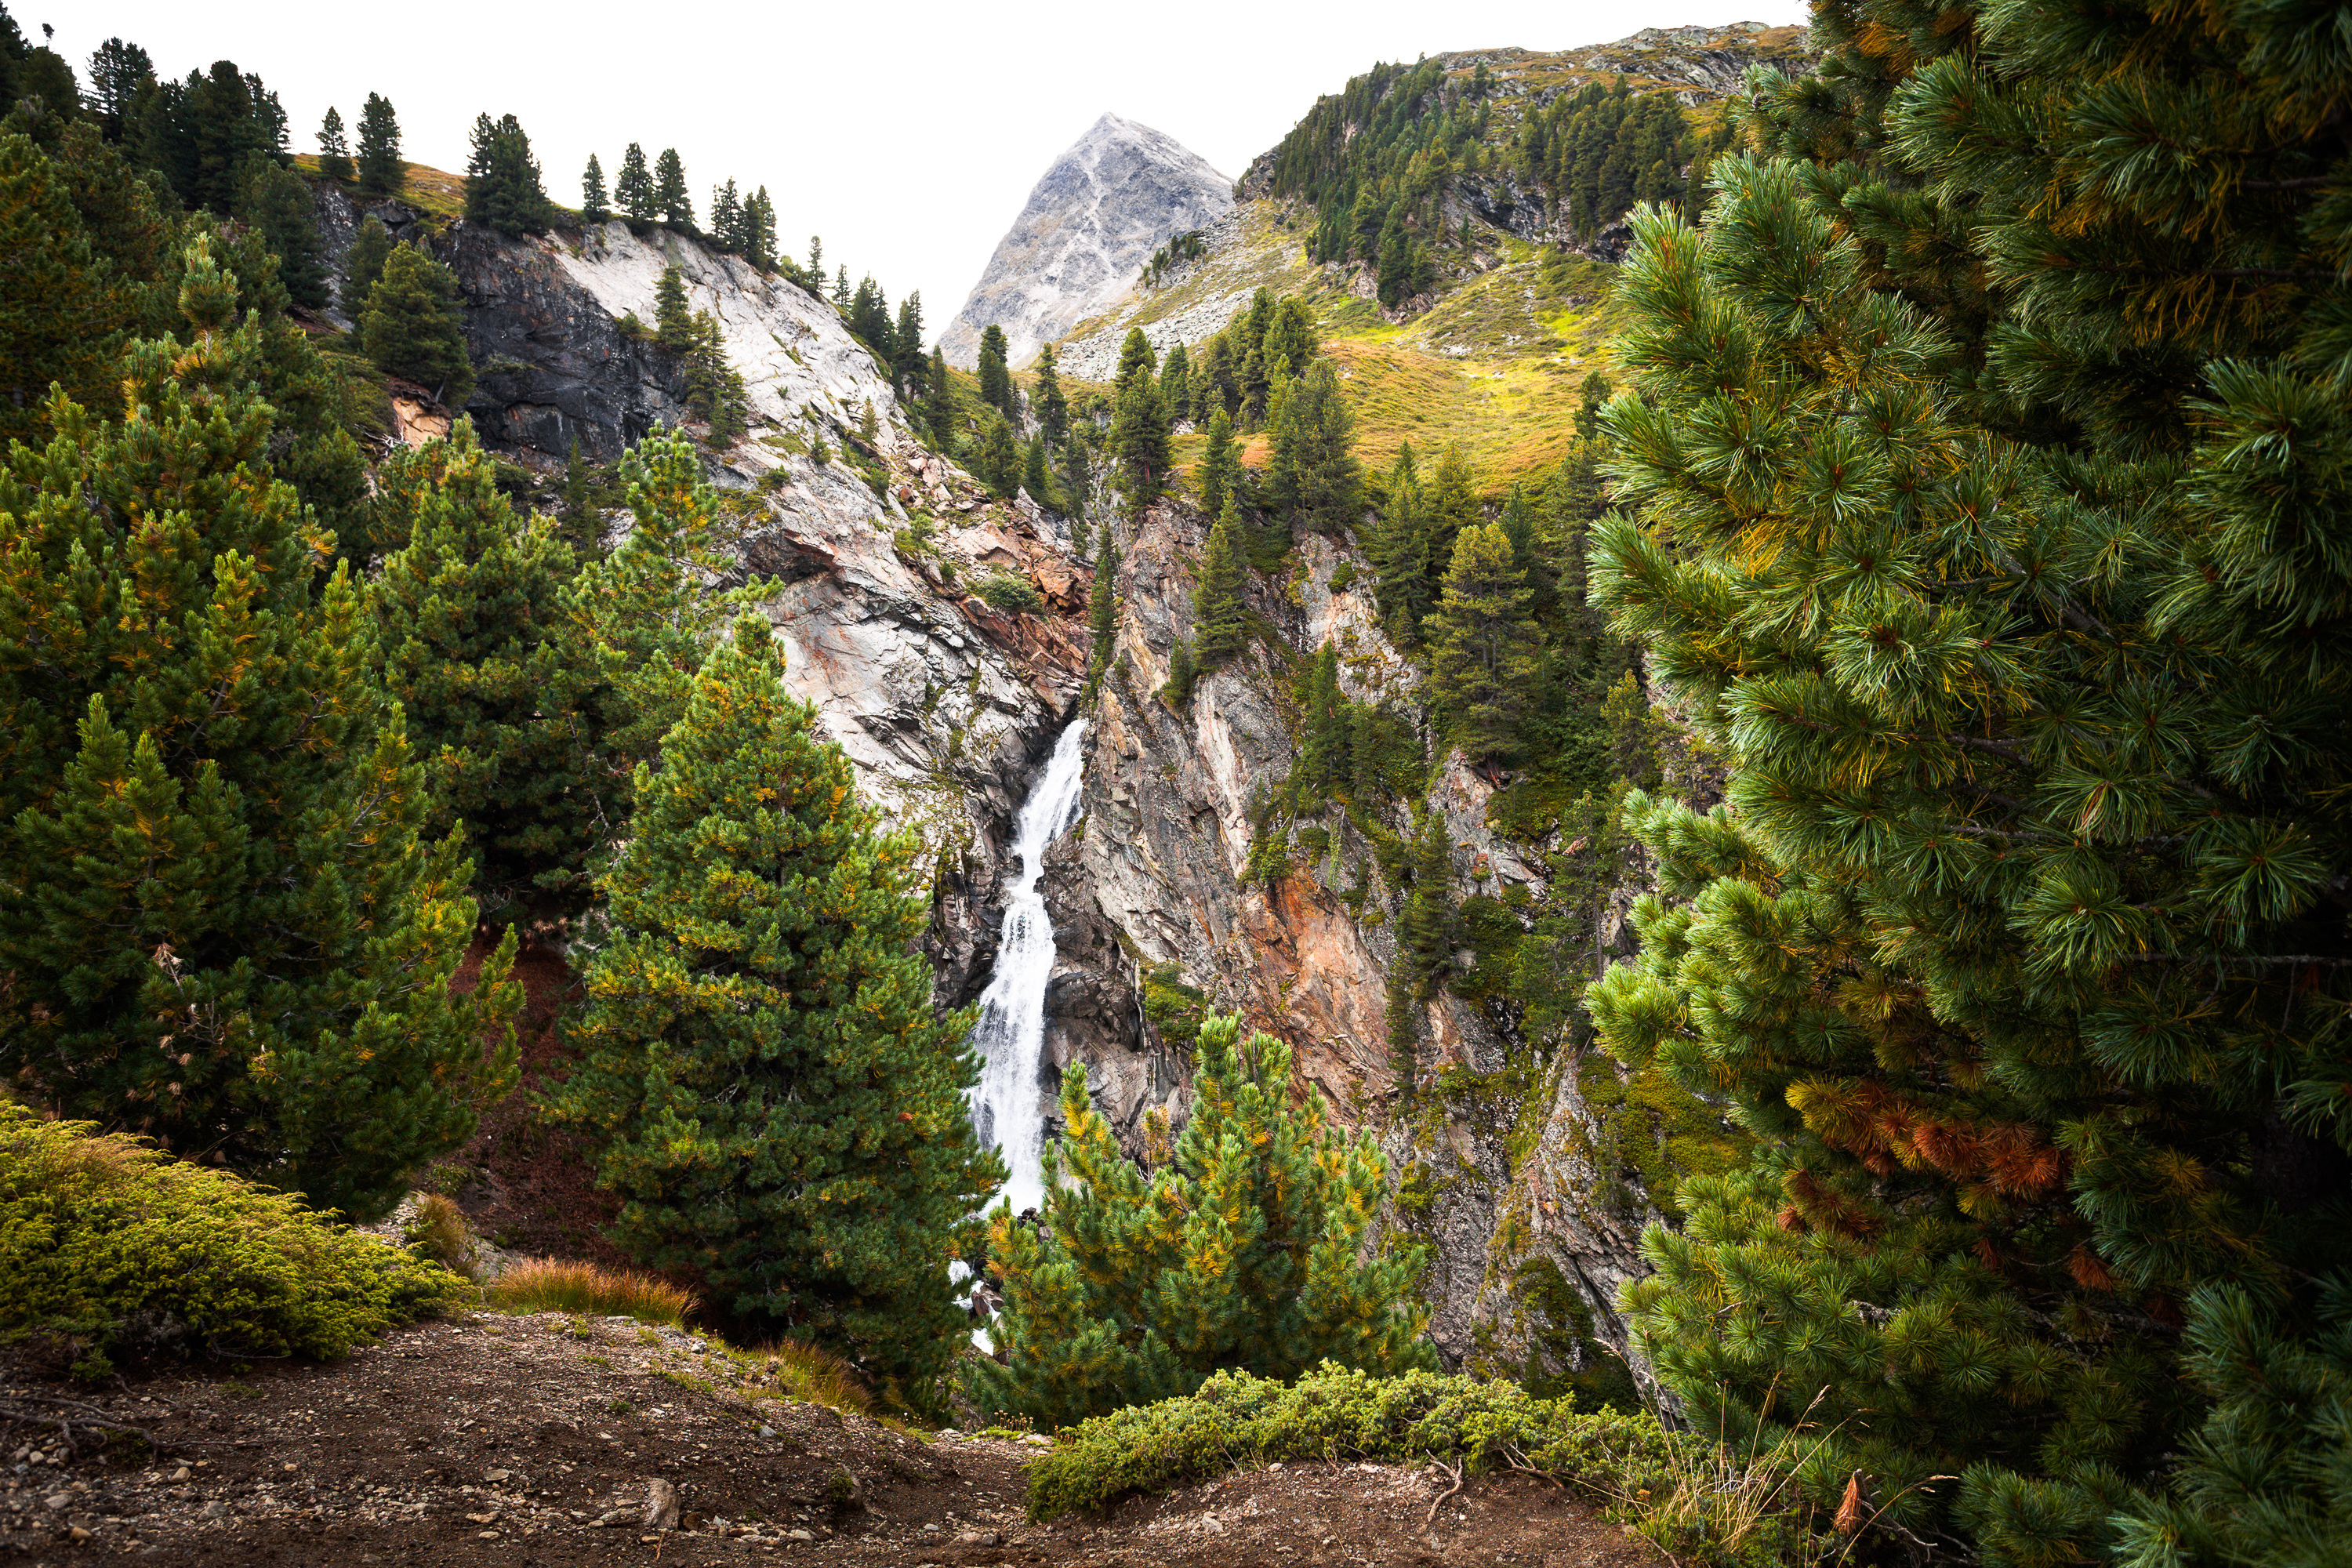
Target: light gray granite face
1116, 196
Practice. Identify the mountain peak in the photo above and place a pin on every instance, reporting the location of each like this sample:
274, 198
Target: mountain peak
1114, 196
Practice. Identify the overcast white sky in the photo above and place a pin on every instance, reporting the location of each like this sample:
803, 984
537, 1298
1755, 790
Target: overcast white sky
907, 134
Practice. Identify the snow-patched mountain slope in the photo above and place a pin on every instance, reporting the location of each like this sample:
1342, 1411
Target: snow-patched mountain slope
1122, 192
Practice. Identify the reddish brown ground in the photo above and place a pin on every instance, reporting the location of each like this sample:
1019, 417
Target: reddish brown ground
500, 1441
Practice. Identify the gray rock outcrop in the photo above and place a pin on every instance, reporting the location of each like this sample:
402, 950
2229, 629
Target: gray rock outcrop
1122, 192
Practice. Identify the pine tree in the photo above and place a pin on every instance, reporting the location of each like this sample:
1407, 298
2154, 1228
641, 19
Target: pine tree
1401, 551
1136, 360
816, 257
410, 326
579, 504
759, 232
1220, 464
1000, 456
995, 377
1052, 407
1140, 442
1323, 743
380, 170
277, 202
1102, 610
939, 404
595, 206
644, 610
1246, 1250
222, 931
504, 189
1484, 642
841, 288
1176, 384
672, 202
727, 217
1315, 456
1425, 930
1184, 673
1035, 476
781, 1107
1220, 618
906, 362
334, 151
2014, 946
634, 190
121, 73
475, 649
58, 314
363, 263
673, 318
1452, 506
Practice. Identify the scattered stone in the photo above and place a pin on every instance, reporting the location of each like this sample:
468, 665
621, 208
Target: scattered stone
661, 1506
57, 1502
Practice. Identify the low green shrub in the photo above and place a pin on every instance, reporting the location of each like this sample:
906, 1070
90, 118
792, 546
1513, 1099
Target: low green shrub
106, 1244
1004, 590
1703, 1503
1338, 1412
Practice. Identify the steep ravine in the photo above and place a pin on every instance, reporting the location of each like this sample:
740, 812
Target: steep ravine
948, 706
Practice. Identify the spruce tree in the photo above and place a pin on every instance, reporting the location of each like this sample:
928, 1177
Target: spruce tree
634, 189
595, 206
334, 150
2013, 365
906, 361
1246, 1250
1183, 672
220, 926
1425, 929
410, 326
995, 377
363, 263
474, 649
781, 1107
380, 170
1220, 618
1220, 464
672, 202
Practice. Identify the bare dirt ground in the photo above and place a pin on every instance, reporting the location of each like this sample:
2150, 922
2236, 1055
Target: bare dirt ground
541, 1441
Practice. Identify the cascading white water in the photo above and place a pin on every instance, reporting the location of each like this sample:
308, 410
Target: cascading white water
1006, 1110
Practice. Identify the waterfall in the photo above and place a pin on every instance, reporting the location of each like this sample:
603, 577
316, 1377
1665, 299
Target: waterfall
1006, 1108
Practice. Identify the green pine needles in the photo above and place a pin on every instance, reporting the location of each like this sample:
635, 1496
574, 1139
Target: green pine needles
1245, 1252
218, 924
1987, 453
782, 1107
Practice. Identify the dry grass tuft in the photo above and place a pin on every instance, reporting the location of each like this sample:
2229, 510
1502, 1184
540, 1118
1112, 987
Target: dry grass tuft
815, 1376
560, 1285
438, 1230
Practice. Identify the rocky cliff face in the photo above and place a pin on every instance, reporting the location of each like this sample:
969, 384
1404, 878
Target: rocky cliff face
943, 703
947, 707
1118, 195
1494, 1152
